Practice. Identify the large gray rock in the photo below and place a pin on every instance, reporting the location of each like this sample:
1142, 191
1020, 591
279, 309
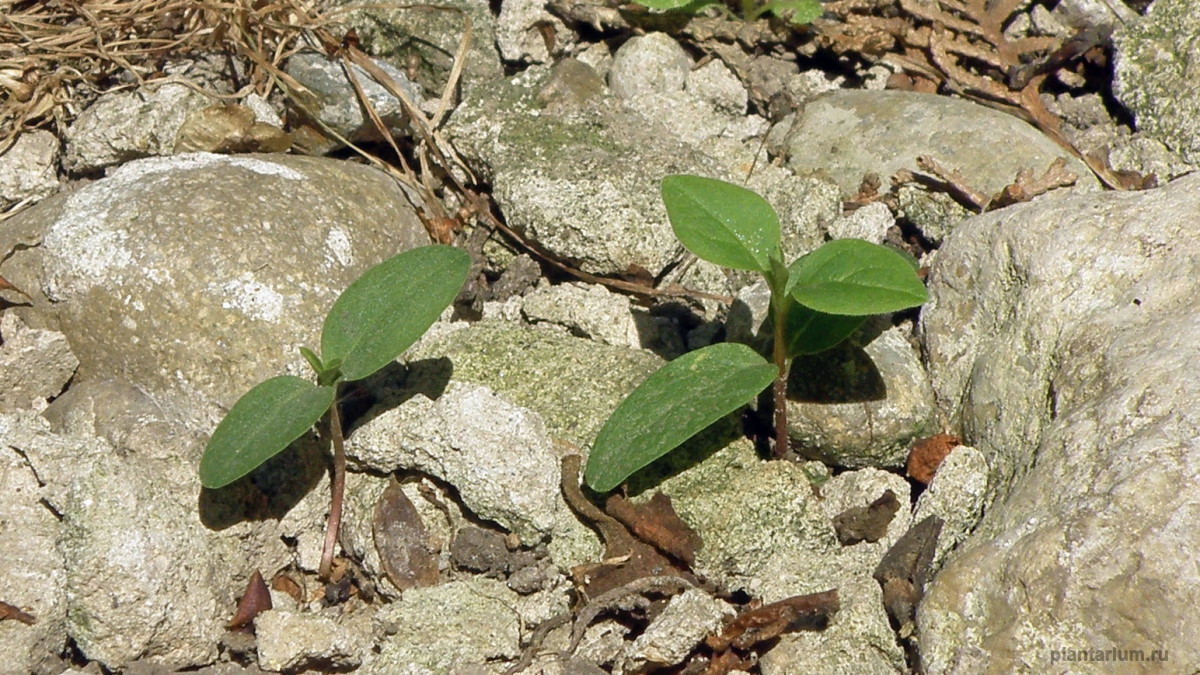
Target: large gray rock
184, 560
584, 186
861, 405
848, 133
204, 273
498, 455
521, 30
1157, 60
1061, 336
337, 104
35, 364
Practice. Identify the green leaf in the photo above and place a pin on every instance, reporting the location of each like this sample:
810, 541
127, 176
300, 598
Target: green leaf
722, 223
672, 405
264, 421
390, 306
796, 12
855, 278
810, 331
314, 361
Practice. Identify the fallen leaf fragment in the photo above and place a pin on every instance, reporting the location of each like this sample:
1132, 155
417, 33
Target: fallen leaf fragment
656, 523
285, 584
8, 611
903, 571
256, 598
799, 612
627, 559
402, 540
1027, 185
927, 455
866, 523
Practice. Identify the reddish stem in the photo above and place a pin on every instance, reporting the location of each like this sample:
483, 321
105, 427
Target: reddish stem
779, 350
337, 489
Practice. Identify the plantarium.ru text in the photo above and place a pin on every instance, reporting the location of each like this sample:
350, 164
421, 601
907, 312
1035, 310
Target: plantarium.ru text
816, 302
372, 322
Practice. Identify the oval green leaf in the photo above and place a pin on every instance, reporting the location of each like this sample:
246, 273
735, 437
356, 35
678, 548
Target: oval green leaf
675, 403
852, 277
721, 222
810, 331
263, 422
390, 306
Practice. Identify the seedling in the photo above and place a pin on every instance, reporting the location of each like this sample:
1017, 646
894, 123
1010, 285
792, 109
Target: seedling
372, 322
795, 12
816, 302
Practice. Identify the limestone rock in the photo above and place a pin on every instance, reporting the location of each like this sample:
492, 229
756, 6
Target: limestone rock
337, 103
126, 125
33, 576
1060, 336
29, 168
448, 628
34, 364
847, 133
204, 273
289, 641
1157, 66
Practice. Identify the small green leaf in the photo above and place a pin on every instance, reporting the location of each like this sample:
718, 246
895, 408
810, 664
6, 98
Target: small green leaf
672, 405
392, 304
314, 361
856, 278
722, 223
795, 12
810, 331
264, 421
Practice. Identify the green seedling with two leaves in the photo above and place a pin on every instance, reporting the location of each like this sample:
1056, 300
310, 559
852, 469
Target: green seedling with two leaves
795, 12
816, 302
371, 323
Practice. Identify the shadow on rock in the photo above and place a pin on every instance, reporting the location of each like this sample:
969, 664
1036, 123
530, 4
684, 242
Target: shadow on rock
271, 490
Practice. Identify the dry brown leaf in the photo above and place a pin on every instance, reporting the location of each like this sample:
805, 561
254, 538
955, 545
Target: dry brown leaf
229, 129
799, 612
927, 454
402, 540
656, 523
11, 612
866, 523
255, 599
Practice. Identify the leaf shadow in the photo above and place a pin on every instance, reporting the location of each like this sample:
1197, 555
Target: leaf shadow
696, 449
271, 490
394, 385
275, 487
844, 373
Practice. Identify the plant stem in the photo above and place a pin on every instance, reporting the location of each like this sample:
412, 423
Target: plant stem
779, 351
337, 489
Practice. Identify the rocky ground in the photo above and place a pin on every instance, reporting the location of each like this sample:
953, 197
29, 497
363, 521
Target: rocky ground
999, 480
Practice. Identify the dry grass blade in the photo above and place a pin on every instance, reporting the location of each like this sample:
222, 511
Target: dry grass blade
56, 57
